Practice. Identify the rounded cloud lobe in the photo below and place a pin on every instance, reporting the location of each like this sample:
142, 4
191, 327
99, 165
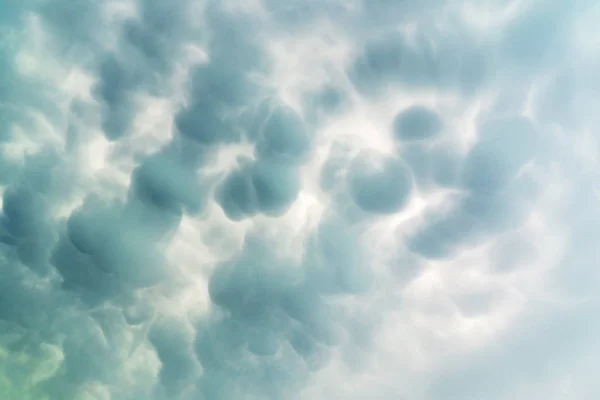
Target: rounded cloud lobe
377, 183
268, 200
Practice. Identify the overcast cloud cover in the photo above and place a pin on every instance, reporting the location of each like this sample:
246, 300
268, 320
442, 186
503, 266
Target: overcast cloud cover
299, 199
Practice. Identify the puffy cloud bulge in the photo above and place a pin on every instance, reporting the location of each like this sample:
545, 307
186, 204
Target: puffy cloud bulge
299, 199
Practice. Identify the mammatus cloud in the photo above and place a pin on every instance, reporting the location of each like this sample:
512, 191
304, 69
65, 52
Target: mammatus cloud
298, 199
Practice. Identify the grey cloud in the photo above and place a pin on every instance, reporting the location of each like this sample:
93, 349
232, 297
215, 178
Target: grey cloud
258, 187
125, 239
417, 123
173, 343
276, 186
283, 138
79, 273
378, 183
202, 122
269, 184
277, 312
114, 90
469, 221
391, 58
167, 183
433, 164
538, 34
147, 48
496, 198
85, 17
220, 90
504, 146
325, 103
90, 283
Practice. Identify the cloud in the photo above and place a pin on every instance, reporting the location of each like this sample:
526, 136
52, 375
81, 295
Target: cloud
417, 123
377, 183
267, 200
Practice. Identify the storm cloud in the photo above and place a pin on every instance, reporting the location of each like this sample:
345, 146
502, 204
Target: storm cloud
211, 200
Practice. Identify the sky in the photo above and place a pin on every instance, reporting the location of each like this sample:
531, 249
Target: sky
299, 199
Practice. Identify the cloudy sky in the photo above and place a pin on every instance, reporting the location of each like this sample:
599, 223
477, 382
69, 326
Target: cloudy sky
299, 199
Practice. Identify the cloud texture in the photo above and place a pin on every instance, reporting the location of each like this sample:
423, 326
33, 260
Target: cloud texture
343, 199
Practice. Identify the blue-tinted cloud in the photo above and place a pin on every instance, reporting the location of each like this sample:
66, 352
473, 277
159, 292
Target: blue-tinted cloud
378, 183
268, 200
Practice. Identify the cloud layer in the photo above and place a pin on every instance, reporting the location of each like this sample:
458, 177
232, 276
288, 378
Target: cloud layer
299, 199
